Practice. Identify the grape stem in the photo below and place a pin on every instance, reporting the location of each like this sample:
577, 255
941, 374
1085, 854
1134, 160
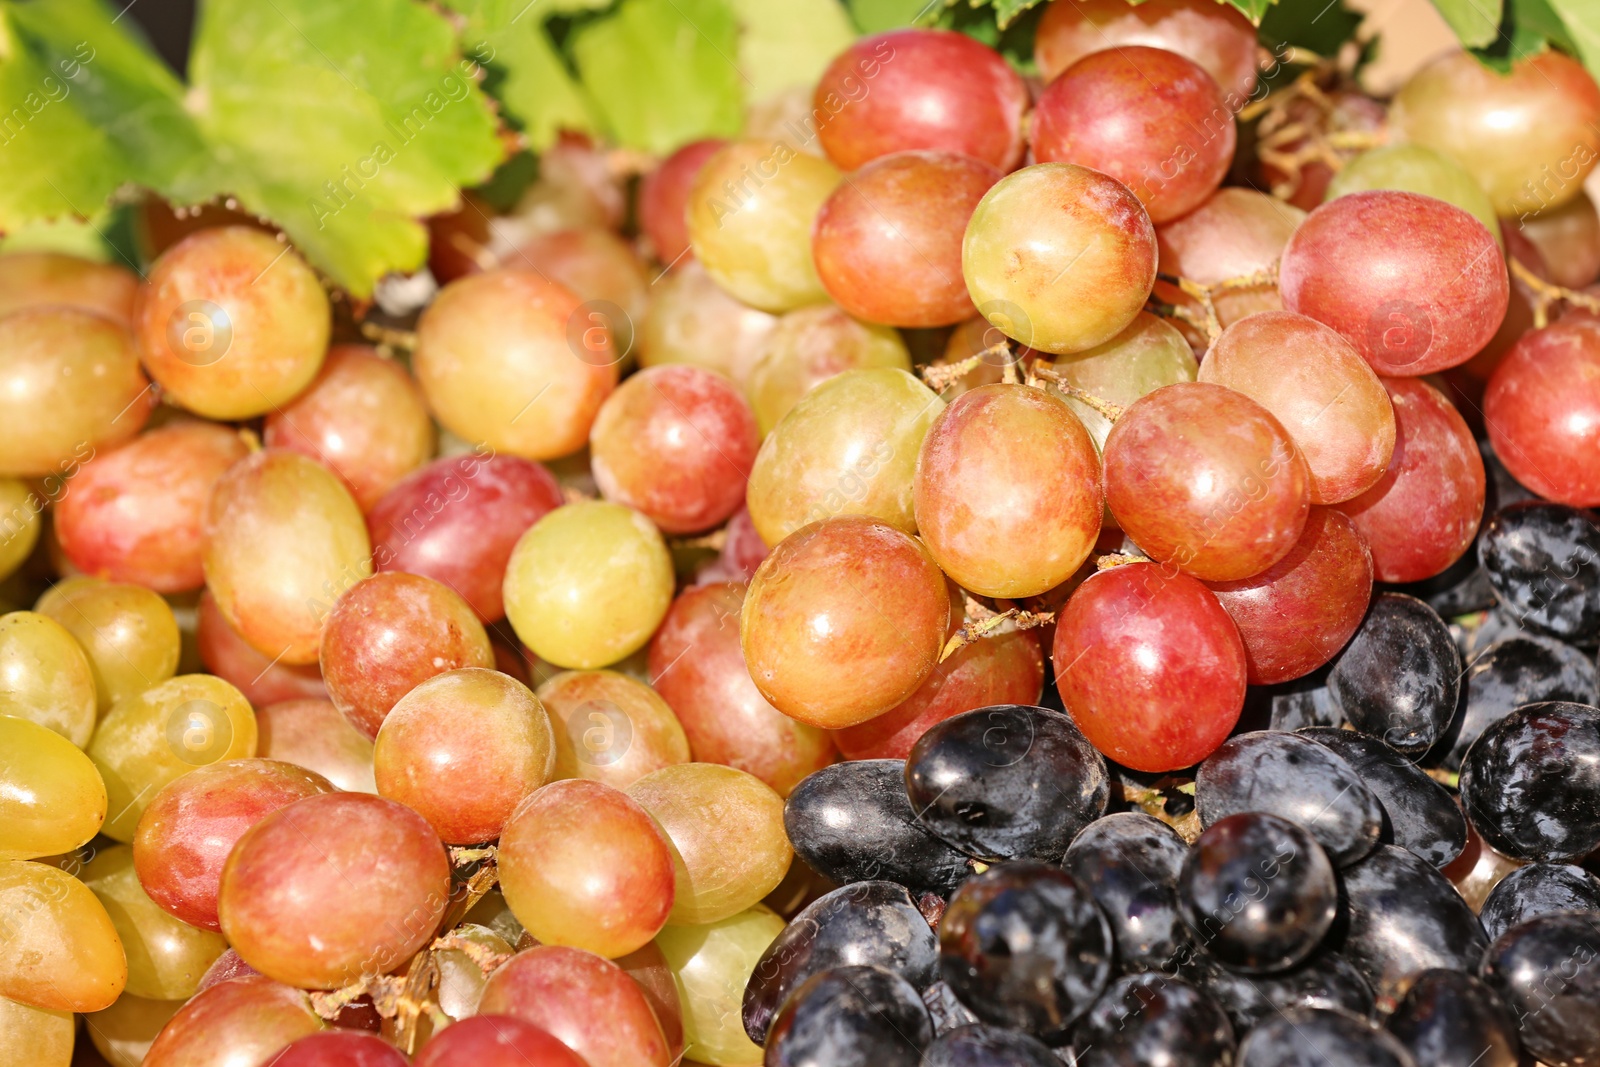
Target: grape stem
388, 337
1546, 294
1288, 144
1112, 412
1201, 294
716, 541
1118, 559
485, 957
993, 624
941, 376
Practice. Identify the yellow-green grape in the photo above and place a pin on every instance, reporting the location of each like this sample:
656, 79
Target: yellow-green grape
692, 320
19, 524
58, 947
849, 447
163, 733
51, 797
128, 632
809, 346
166, 956
124, 1032
588, 584
1415, 168
461, 978
1148, 354
712, 965
45, 676
750, 213
35, 1037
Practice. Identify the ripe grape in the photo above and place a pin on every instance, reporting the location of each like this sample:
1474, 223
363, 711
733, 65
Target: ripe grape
1568, 238
1236, 233
312, 733
712, 964
1543, 562
596, 265
1415, 168
851, 1016
1215, 36
35, 1036
1302, 1037
1540, 971
611, 728
61, 951
577, 186
36, 279
1531, 786
742, 552
124, 1032
128, 633
1419, 815
1542, 410
1537, 889
45, 676
1129, 863
664, 198
975, 1044
807, 347
1324, 981
230, 657
488, 1041
166, 957
1404, 916
1526, 669
247, 1020
1399, 677
649, 970
1154, 1018
51, 797
461, 979
20, 525
1146, 355
348, 1048
693, 320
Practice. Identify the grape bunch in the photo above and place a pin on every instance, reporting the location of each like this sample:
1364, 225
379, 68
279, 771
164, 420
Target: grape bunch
1094, 567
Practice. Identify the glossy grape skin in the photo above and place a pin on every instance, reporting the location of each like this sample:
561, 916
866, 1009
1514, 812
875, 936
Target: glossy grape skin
887, 243
1526, 669
136, 514
1537, 889
701, 807
233, 659
1542, 409
589, 1004
1149, 1018
186, 833
1145, 356
697, 666
1415, 284
464, 749
1568, 237
313, 734
152, 738
332, 889
611, 728
694, 320
596, 265
35, 1036
1217, 37
652, 973
127, 632
664, 198
808, 346
920, 89
246, 1021
71, 387
1531, 783
20, 534
60, 949
487, 1041
1129, 863
1527, 137
124, 1032
1150, 667
587, 584
461, 979
363, 416
389, 633
497, 361
833, 657
750, 214
1415, 168
1402, 916
51, 797
458, 519
711, 966
1320, 390
1059, 257
346, 1048
1235, 233
1542, 561
855, 1016
34, 279
1422, 514
1323, 981
1399, 677
676, 443
742, 552
1298, 613
1320, 1037
977, 1045
166, 957
1542, 971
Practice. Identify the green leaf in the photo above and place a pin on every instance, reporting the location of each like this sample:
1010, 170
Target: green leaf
876, 16
535, 87
1476, 22
1321, 29
1582, 19
783, 43
1008, 11
1256, 10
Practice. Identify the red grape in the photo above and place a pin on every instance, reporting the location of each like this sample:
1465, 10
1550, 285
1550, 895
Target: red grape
664, 198
1542, 409
649, 967
35, 279
610, 728
342, 1048
491, 1041
313, 734
246, 1021
233, 659
1234, 234
595, 264
1568, 237
742, 552
1216, 36
694, 320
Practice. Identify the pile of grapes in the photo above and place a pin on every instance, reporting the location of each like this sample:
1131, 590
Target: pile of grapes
981, 571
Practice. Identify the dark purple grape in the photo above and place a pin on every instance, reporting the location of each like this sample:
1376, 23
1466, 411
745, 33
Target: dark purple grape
1129, 862
1398, 679
1303, 702
1537, 889
851, 1017
1153, 1018
1544, 563
1510, 673
1025, 946
873, 923
988, 1046
1323, 981
1007, 782
1451, 1019
851, 822
1319, 1037
946, 1009
1547, 971
1418, 814
1531, 783
1401, 916
1257, 892
1296, 779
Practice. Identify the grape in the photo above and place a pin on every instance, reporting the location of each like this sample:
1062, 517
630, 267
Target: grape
741, 554
1418, 814
1236, 233
166, 957
1422, 515
596, 265
1414, 283
1541, 971
1116, 111
920, 89
1542, 409
701, 807
20, 525
1153, 1018
45, 676
124, 1032
1568, 239
664, 198
1528, 136
1534, 890
851, 1017
750, 213
847, 447
245, 1021
611, 728
1323, 981
311, 733
1215, 36
58, 948
1321, 391
71, 387
233, 659
1318, 1037
1399, 677
363, 416
577, 186
588, 1003
127, 632
711, 965
583, 865
51, 797
513, 360
461, 979
1402, 916
334, 888
976, 1045
677, 444
833, 657
1508, 674
693, 320
458, 519
1007, 488
1150, 667
1139, 360
186, 833
807, 347
35, 279
887, 243
587, 584
284, 537
649, 969
1543, 561
490, 1041
347, 1048
1295, 616
155, 737
1415, 168
389, 633
1059, 257
231, 323
1531, 783
1129, 863
697, 666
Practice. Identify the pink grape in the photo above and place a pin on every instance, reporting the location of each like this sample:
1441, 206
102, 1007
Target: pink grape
1542, 409
1216, 36
493, 1041
664, 197
233, 659
313, 734
245, 1021
340, 1048
1234, 234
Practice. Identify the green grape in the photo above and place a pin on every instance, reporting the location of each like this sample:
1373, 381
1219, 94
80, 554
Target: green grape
128, 632
124, 1032
19, 524
1415, 168
712, 965
45, 676
588, 584
35, 1037
809, 346
58, 947
692, 320
461, 978
166, 956
1148, 354
51, 797
163, 733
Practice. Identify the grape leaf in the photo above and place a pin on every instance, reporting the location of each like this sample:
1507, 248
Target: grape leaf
1475, 22
1254, 10
783, 43
1008, 11
876, 16
1582, 20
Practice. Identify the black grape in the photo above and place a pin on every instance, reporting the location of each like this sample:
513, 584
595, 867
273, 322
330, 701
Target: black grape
1398, 679
1451, 1019
851, 1017
1537, 889
1302, 702
1323, 981
1129, 862
1547, 970
1153, 1018
1531, 783
1510, 673
1318, 1037
1544, 563
988, 1046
